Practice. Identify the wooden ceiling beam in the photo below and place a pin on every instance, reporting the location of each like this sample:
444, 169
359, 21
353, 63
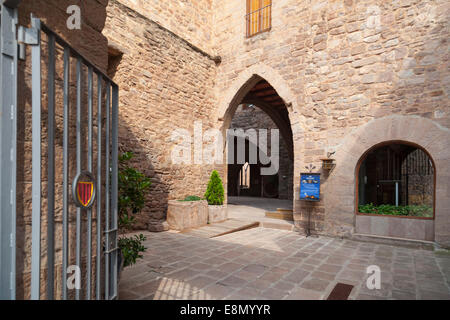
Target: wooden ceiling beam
261, 85
272, 98
264, 93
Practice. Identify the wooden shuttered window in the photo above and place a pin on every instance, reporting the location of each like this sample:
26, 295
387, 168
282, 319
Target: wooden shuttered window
259, 16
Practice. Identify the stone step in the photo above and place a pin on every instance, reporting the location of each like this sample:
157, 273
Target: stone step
284, 210
281, 215
277, 225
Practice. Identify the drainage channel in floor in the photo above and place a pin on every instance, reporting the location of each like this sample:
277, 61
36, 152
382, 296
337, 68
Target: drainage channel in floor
340, 292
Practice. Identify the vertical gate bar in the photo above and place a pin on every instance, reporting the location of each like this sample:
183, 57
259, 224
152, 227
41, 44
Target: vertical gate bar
65, 172
51, 168
107, 190
99, 185
114, 178
8, 151
36, 166
78, 226
89, 211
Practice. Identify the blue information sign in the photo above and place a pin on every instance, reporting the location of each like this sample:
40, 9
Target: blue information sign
310, 186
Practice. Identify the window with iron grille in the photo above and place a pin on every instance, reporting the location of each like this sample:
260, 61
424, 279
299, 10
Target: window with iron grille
397, 179
259, 16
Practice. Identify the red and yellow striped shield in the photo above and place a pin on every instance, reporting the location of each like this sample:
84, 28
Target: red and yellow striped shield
85, 190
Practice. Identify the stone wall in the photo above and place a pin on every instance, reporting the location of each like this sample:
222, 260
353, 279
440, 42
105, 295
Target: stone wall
190, 19
338, 65
165, 84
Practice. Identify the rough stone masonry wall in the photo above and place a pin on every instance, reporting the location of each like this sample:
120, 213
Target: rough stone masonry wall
341, 64
165, 84
190, 19
254, 118
90, 42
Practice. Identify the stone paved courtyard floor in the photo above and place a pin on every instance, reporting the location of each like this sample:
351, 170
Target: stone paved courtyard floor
275, 264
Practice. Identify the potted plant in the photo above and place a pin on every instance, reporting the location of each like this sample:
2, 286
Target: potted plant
217, 211
190, 212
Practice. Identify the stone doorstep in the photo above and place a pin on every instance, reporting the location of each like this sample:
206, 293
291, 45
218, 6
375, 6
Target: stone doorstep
284, 210
280, 215
277, 225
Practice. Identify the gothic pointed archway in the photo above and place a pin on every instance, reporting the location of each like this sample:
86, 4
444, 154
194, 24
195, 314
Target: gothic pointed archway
259, 106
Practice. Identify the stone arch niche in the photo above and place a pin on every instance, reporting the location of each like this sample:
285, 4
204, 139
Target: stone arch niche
237, 94
392, 156
340, 190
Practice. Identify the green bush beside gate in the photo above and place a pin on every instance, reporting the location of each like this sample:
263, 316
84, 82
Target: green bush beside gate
133, 186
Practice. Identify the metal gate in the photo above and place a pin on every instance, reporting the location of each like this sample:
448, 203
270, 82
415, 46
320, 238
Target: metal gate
96, 159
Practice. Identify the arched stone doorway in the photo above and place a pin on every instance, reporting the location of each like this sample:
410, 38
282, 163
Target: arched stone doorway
259, 95
262, 98
251, 118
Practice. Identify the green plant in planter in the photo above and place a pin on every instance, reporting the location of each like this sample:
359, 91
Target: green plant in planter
387, 209
191, 198
421, 210
132, 186
367, 208
215, 192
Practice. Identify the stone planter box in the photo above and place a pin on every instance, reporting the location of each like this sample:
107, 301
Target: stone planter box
397, 227
217, 213
187, 214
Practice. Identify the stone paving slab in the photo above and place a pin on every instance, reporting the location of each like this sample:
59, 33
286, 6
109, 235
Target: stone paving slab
264, 264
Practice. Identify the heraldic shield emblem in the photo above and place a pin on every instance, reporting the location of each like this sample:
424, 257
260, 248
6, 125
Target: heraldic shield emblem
83, 189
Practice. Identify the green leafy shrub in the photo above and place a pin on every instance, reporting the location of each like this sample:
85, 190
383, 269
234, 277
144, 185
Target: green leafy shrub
421, 210
132, 186
367, 208
387, 209
132, 248
191, 198
215, 192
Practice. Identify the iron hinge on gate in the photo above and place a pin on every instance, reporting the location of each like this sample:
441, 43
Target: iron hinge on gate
27, 36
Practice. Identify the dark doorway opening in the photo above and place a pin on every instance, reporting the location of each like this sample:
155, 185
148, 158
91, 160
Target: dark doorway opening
262, 108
